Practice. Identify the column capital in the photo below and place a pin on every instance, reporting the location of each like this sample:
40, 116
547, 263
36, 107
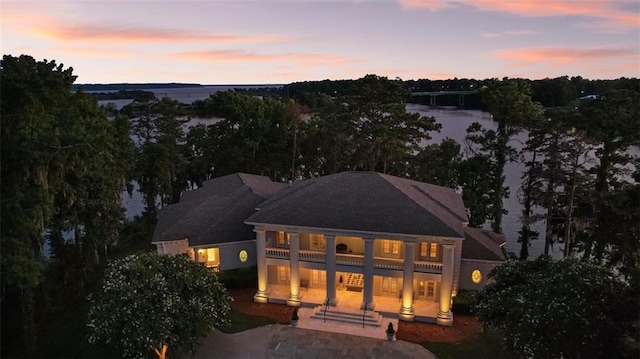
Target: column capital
410, 244
259, 230
448, 246
368, 239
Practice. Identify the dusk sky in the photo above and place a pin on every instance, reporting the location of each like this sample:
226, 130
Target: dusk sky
273, 42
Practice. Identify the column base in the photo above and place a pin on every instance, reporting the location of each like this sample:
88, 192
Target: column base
332, 302
369, 306
406, 314
293, 301
445, 319
261, 297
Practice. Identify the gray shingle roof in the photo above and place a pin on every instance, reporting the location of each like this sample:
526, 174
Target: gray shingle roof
215, 213
482, 244
366, 201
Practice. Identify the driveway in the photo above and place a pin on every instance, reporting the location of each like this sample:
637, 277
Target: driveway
278, 341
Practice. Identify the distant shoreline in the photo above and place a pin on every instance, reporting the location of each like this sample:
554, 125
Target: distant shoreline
153, 86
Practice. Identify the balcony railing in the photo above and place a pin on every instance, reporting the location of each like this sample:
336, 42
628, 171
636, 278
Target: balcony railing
355, 260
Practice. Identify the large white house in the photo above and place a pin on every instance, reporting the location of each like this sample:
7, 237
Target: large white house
394, 245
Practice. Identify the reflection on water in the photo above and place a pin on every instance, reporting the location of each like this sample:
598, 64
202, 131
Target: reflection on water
454, 125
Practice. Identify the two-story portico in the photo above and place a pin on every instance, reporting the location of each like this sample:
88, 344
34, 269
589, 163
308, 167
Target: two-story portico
382, 236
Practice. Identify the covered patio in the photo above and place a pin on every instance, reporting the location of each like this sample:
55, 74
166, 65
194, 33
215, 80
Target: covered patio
350, 301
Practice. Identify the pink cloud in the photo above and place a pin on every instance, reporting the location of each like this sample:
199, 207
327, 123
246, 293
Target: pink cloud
96, 52
605, 61
562, 54
118, 33
432, 5
510, 33
603, 12
234, 56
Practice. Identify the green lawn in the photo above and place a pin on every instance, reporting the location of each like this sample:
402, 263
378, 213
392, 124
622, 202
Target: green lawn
488, 345
241, 322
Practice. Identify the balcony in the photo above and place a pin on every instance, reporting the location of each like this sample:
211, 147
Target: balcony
356, 260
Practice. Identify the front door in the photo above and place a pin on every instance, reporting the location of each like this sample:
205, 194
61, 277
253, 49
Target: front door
426, 289
390, 286
318, 278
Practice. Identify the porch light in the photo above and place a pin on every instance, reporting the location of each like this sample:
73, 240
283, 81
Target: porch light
243, 255
476, 276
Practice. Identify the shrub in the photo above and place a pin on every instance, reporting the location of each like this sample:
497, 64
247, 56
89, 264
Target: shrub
463, 302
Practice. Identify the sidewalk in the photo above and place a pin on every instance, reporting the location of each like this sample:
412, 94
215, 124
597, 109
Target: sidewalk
282, 341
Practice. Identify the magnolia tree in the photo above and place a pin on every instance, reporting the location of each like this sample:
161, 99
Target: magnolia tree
149, 302
559, 309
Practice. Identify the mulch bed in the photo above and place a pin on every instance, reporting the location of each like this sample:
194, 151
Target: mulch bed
465, 327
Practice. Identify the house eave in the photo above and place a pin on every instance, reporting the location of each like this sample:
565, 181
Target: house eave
354, 233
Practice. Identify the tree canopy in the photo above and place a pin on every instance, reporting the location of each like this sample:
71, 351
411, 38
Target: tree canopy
64, 167
149, 301
552, 309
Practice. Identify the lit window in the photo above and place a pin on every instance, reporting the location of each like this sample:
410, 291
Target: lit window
476, 276
395, 246
281, 238
390, 247
423, 249
243, 255
211, 254
433, 250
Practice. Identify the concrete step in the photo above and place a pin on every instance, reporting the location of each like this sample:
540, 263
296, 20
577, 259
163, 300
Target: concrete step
369, 314
371, 319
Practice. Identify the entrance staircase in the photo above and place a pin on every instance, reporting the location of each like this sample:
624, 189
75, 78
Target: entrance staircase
371, 318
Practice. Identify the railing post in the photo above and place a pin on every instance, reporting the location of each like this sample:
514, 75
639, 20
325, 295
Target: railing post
326, 302
364, 313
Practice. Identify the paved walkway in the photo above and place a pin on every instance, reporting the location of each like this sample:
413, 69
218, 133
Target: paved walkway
282, 341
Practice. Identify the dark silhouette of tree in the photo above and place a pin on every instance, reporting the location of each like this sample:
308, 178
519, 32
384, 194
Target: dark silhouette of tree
509, 102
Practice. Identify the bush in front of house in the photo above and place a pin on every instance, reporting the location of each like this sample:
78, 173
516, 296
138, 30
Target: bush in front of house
239, 278
463, 302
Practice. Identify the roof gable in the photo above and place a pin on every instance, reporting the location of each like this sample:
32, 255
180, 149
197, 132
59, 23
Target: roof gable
215, 213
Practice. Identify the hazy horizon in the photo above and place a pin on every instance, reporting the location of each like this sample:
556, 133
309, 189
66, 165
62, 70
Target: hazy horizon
285, 41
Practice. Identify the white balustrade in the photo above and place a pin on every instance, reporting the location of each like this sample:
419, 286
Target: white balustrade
356, 260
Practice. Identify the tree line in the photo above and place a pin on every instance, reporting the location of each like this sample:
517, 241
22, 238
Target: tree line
66, 162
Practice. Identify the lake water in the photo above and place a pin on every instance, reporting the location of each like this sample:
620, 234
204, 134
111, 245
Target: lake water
454, 125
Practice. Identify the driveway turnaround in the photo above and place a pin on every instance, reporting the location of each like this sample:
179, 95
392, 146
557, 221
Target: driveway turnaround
278, 341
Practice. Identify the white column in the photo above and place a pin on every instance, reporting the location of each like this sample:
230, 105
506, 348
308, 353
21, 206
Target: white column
331, 270
406, 312
261, 254
294, 270
367, 300
445, 317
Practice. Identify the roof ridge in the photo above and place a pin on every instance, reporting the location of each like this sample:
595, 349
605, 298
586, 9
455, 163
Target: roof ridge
440, 204
411, 183
297, 190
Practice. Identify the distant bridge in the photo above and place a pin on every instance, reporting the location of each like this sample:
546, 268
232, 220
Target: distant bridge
434, 95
